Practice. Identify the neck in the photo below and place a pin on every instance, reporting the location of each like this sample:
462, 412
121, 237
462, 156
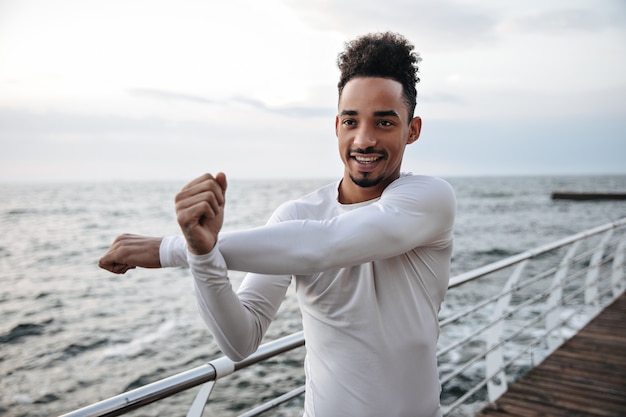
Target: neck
351, 193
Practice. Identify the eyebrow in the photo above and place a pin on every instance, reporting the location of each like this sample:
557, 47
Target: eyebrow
386, 113
379, 113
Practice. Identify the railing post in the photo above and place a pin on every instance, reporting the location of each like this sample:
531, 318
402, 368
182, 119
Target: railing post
492, 332
202, 397
591, 282
617, 275
223, 367
494, 359
555, 299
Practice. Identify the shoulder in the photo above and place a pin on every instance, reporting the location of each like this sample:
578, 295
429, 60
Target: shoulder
422, 197
308, 205
421, 188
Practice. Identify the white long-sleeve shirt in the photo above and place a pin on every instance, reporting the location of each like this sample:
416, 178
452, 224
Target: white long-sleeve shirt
370, 279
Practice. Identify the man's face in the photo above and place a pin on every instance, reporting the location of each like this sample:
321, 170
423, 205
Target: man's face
373, 129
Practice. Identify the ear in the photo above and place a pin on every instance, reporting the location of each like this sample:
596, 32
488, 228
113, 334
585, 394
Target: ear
415, 127
337, 125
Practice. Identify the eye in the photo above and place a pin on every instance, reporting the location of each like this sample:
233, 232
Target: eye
385, 123
348, 122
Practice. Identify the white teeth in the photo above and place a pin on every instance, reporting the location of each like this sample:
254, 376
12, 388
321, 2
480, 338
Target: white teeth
365, 160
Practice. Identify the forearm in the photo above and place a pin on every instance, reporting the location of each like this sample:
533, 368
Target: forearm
232, 325
258, 250
296, 247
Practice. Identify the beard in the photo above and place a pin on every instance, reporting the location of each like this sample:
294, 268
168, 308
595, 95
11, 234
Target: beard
366, 181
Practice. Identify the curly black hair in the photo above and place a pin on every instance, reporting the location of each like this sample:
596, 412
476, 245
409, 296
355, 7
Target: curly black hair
387, 55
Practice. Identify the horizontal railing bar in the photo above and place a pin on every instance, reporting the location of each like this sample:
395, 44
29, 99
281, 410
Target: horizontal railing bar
538, 277
274, 402
451, 407
512, 260
495, 347
529, 324
485, 380
447, 321
270, 349
583, 255
502, 317
147, 394
462, 314
166, 387
220, 367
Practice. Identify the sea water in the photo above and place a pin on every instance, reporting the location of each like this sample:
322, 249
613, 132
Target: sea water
72, 334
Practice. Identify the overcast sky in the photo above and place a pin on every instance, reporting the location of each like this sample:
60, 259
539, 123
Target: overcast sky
148, 89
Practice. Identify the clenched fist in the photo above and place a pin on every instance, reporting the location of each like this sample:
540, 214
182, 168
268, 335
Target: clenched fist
130, 251
200, 211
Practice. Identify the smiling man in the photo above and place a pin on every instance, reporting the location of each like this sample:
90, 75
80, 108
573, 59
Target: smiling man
369, 253
373, 127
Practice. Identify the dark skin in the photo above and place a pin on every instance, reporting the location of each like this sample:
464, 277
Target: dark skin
200, 214
373, 128
130, 251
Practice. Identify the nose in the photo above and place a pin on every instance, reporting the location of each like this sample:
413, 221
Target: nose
364, 138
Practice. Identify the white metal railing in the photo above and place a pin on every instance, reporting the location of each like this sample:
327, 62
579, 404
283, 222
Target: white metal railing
498, 321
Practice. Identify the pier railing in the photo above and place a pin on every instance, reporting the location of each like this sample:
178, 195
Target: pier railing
498, 321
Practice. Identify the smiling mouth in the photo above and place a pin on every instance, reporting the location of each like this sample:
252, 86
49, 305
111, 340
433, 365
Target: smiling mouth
366, 159
366, 162
369, 156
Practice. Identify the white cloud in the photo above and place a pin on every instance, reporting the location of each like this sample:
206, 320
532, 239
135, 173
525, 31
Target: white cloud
164, 88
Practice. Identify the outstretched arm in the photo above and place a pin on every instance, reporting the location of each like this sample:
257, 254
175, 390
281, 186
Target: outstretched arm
199, 207
238, 321
412, 212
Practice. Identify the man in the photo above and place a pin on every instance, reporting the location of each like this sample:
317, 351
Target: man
370, 254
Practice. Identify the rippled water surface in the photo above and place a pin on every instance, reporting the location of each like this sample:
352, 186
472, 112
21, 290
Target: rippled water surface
72, 334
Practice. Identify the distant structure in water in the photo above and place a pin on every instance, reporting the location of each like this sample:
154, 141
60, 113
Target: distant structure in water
567, 195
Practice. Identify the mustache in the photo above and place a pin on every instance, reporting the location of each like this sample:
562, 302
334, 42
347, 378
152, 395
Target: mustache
368, 151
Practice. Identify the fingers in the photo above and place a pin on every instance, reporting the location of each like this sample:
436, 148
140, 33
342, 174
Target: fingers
196, 210
221, 179
106, 262
117, 268
110, 260
202, 197
200, 211
129, 251
195, 215
205, 184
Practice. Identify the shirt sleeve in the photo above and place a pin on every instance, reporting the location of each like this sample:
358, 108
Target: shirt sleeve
237, 321
173, 252
411, 212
